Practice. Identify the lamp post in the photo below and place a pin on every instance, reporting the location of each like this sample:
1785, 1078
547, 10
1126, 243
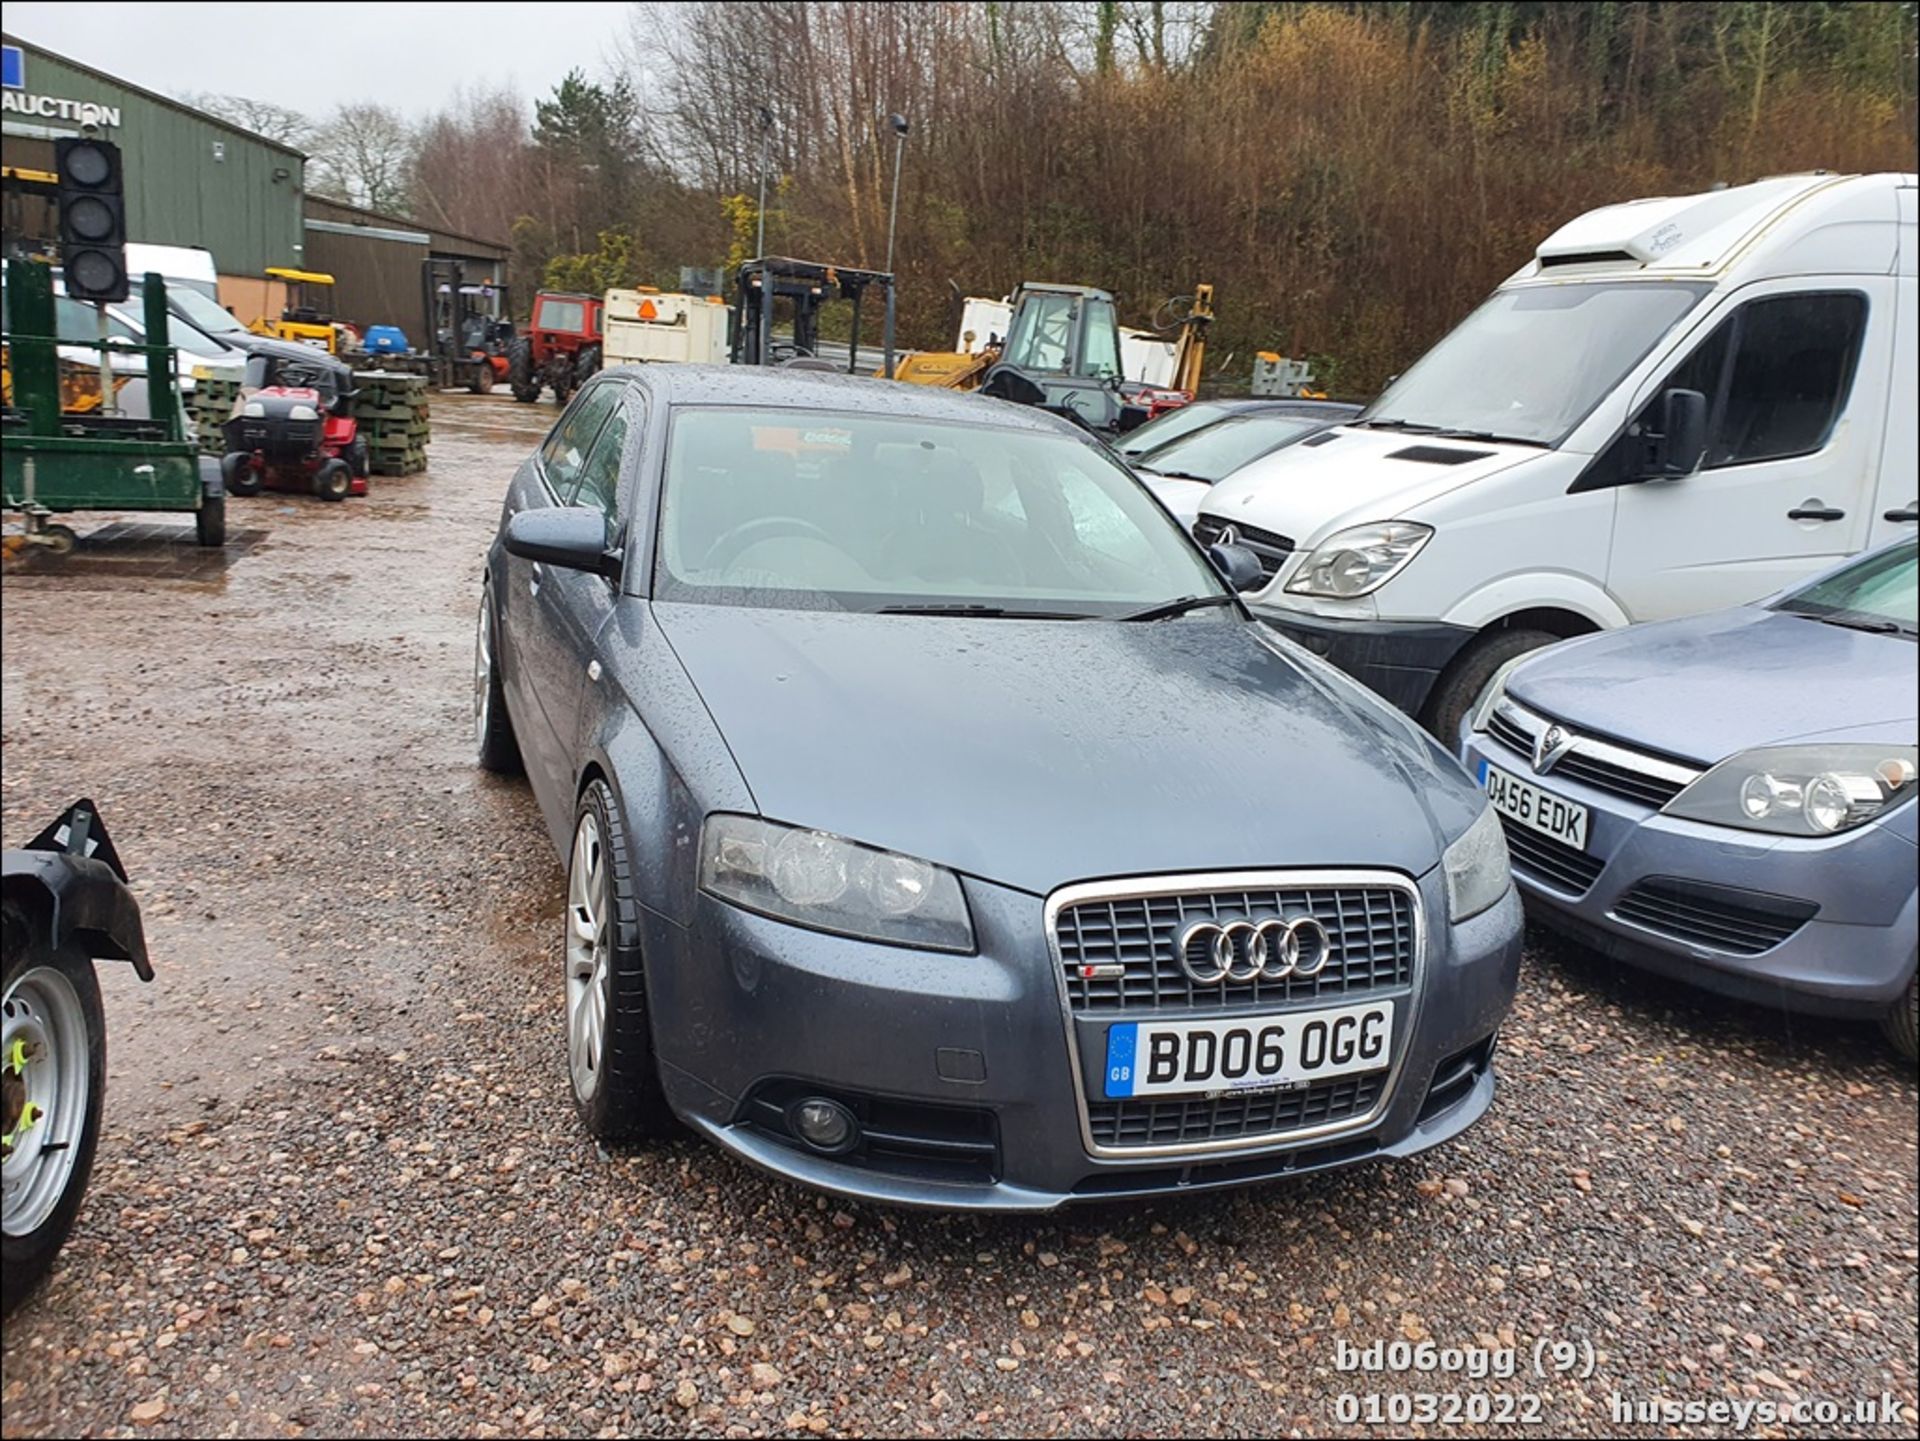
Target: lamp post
898, 124
766, 140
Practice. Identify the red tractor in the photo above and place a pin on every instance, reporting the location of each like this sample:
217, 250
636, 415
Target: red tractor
561, 348
293, 427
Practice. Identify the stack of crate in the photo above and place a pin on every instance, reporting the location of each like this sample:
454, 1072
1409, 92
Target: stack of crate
210, 407
392, 410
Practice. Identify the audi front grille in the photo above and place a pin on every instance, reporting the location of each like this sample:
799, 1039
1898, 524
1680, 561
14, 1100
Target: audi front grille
1117, 946
1370, 930
1186, 1120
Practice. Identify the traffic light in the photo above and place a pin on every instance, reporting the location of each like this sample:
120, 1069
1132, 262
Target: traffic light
93, 218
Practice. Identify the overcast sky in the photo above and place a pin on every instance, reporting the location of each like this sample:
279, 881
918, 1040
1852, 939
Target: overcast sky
311, 56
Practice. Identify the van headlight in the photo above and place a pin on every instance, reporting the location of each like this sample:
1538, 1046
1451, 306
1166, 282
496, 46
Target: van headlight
816, 879
1359, 559
1478, 871
1815, 790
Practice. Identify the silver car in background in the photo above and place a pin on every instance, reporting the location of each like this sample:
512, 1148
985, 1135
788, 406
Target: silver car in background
1729, 798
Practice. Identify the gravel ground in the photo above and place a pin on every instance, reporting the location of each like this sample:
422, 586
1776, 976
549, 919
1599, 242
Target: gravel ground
342, 1191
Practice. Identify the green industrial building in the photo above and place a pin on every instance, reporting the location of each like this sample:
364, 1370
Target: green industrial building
191, 178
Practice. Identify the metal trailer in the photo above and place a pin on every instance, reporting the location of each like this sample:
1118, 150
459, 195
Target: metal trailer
760, 284
57, 461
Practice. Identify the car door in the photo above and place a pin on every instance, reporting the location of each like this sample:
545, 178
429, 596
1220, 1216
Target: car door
549, 480
574, 606
1795, 380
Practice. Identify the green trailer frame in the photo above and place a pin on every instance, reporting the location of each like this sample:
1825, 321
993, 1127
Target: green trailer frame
56, 463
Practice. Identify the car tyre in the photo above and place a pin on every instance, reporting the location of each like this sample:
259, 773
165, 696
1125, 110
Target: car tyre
610, 1060
56, 990
499, 750
1902, 1023
1463, 685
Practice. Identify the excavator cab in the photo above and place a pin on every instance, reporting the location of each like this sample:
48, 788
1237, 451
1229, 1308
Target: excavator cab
307, 316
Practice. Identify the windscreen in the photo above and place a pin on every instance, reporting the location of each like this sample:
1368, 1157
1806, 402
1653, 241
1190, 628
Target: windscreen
566, 315
1171, 426
1877, 590
826, 510
1530, 363
1217, 451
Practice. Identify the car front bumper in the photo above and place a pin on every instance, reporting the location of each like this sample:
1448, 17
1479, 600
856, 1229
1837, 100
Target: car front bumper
972, 1052
1852, 957
1398, 660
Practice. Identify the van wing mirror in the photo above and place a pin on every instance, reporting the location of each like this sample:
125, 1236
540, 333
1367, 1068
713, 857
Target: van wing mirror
1681, 443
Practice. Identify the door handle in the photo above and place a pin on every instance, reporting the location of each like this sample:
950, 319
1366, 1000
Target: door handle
533, 581
1907, 512
1816, 512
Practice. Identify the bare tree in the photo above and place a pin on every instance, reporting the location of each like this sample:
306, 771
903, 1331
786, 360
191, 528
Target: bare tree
262, 117
363, 155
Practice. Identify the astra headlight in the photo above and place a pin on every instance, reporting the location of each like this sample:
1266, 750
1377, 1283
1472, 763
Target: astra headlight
1812, 790
816, 879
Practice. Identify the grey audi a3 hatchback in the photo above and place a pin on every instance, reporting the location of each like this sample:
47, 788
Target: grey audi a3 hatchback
939, 827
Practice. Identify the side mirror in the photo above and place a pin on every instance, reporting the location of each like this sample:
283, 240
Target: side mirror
1238, 566
571, 537
1682, 442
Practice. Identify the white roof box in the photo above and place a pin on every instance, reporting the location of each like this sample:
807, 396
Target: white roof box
1691, 232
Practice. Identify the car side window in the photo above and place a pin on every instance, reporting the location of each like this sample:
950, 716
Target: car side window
599, 485
566, 449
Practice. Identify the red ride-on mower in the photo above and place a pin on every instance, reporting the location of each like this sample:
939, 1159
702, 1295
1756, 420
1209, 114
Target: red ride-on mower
293, 428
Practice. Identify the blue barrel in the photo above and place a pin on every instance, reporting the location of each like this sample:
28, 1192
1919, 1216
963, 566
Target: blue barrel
385, 340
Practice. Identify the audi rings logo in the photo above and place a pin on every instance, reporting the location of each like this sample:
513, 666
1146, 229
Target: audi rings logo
1214, 953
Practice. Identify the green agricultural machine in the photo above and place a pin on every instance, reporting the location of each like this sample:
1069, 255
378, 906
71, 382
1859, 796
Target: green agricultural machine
68, 447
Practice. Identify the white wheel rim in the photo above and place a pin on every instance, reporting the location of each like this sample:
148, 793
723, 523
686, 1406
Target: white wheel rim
589, 927
43, 1048
482, 671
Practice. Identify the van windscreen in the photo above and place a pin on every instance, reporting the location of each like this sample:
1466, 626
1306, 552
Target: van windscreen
1531, 362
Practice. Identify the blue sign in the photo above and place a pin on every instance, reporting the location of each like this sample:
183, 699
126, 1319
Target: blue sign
13, 67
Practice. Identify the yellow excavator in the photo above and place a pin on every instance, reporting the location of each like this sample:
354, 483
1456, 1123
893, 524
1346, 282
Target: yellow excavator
1061, 330
307, 315
1062, 351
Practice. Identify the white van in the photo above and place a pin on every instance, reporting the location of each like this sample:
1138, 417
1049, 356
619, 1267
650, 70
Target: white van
1678, 404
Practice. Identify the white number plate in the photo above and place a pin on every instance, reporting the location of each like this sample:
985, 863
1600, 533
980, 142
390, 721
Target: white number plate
1534, 808
1252, 1053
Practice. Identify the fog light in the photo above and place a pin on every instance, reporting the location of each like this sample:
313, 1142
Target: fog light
824, 1125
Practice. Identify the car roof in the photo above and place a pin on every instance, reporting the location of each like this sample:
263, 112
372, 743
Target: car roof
819, 390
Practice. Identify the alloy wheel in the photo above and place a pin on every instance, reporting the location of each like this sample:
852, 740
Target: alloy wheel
589, 937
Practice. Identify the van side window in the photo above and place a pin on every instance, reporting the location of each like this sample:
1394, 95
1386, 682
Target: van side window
1791, 373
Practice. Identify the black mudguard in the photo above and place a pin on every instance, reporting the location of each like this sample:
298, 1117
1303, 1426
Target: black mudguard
71, 877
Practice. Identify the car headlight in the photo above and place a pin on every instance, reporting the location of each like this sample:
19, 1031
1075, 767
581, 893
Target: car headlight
820, 880
1359, 559
1813, 790
302, 412
1478, 871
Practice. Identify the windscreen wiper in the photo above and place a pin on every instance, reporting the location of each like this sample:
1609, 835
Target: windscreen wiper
1389, 423
1179, 475
1176, 607
1497, 439
983, 612
1872, 625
